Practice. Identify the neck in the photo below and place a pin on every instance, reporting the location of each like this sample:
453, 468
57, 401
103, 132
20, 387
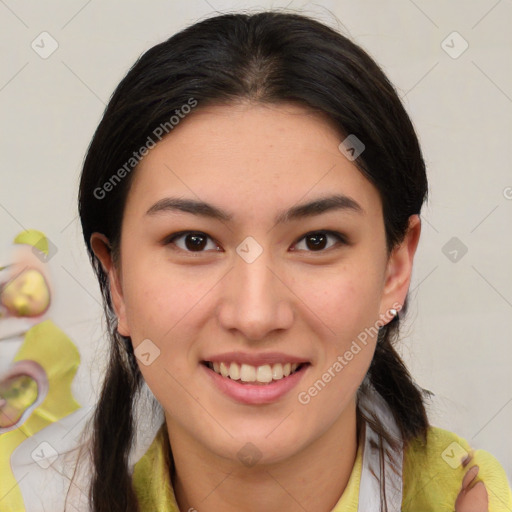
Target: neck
312, 479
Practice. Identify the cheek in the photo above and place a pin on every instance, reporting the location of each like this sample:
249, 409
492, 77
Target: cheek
159, 307
168, 307
157, 297
346, 299
348, 304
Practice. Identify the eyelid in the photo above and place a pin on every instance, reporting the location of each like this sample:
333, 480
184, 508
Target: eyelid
342, 239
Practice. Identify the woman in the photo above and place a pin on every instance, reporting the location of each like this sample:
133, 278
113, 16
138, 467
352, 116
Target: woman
250, 202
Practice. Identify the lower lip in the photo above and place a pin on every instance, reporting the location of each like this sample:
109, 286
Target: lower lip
254, 394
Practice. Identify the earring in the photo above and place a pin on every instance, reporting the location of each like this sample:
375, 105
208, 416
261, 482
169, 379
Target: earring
394, 314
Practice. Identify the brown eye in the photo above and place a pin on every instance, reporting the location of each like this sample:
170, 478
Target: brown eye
317, 240
194, 241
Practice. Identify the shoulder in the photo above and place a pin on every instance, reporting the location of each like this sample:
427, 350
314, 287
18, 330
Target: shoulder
433, 473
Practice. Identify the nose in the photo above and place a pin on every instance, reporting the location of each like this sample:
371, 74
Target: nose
255, 301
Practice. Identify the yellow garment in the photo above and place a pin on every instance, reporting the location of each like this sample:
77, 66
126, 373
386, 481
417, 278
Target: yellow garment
429, 482
57, 355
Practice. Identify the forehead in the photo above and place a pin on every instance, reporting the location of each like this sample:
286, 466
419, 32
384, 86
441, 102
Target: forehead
251, 158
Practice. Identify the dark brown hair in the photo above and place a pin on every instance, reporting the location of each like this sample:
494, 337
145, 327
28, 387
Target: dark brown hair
268, 57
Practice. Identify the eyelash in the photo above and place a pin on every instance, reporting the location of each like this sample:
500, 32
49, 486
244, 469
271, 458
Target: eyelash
342, 239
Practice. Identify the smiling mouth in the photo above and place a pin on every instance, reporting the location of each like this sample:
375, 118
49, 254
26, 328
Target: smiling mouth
248, 374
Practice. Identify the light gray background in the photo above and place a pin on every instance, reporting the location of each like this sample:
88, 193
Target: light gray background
457, 340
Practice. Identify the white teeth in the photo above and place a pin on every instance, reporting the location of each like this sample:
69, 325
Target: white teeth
248, 373
224, 370
264, 373
234, 371
277, 371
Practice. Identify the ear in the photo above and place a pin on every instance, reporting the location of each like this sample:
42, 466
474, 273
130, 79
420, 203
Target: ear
101, 247
399, 268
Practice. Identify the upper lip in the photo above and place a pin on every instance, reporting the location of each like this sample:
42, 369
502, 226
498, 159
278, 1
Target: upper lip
255, 359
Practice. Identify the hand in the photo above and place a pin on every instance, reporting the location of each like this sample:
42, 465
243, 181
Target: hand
472, 497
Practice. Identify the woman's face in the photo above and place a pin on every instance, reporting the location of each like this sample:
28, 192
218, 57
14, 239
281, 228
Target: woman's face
248, 288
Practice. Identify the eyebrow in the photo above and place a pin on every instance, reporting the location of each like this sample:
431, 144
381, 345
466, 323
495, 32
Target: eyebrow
301, 211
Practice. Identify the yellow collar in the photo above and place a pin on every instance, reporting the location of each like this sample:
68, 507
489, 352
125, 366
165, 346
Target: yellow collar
431, 479
152, 480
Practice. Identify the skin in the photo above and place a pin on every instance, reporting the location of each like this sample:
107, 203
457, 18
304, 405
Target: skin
473, 495
255, 161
